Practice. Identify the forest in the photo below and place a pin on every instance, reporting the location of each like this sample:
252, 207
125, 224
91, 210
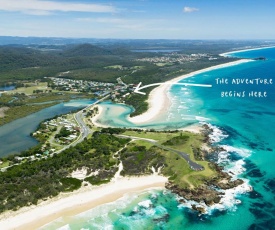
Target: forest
29, 182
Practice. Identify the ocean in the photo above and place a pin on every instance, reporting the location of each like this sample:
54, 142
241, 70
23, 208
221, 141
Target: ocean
242, 123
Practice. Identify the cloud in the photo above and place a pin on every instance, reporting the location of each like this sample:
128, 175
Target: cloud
103, 20
188, 9
39, 7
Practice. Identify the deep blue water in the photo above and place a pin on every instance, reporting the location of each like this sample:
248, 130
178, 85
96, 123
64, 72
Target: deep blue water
15, 136
244, 126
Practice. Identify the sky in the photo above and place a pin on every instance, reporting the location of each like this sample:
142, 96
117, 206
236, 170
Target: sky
139, 19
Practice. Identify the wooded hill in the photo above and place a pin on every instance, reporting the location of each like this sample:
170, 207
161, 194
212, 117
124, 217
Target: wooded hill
89, 62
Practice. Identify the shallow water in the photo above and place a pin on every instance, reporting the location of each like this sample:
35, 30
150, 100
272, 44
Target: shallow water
244, 126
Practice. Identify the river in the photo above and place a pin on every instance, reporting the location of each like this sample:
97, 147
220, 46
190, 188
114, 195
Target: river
15, 136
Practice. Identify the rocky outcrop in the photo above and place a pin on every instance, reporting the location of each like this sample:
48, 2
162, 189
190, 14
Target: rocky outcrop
201, 194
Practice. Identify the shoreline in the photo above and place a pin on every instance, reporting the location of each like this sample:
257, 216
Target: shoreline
244, 50
159, 100
84, 199
94, 119
88, 197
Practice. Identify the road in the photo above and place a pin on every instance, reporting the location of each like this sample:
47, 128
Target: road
79, 117
193, 165
84, 129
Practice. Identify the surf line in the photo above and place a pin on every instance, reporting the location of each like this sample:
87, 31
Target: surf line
138, 88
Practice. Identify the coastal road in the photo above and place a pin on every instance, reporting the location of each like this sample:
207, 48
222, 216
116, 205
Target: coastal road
79, 117
193, 165
84, 129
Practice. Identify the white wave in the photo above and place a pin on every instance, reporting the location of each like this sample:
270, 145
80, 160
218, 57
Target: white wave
228, 200
182, 88
145, 203
101, 210
236, 169
223, 157
240, 151
217, 134
65, 227
199, 118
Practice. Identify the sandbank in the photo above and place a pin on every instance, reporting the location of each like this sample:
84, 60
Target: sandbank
70, 204
95, 118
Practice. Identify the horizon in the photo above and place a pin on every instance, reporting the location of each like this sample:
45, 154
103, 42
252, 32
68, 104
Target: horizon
150, 39
138, 19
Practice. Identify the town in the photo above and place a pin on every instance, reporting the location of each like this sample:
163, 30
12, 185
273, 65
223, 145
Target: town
174, 57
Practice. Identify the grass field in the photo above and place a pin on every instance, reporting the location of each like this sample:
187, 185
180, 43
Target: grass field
177, 168
31, 87
158, 136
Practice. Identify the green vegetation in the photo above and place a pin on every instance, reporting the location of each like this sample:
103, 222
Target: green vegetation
17, 112
94, 180
94, 63
138, 102
63, 133
138, 160
176, 168
20, 105
161, 136
70, 184
29, 182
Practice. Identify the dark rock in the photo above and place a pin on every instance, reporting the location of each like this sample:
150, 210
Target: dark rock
258, 213
255, 173
198, 208
164, 218
203, 193
255, 227
254, 195
271, 184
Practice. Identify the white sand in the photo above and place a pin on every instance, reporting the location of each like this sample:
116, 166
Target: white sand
89, 197
243, 50
77, 202
97, 116
158, 98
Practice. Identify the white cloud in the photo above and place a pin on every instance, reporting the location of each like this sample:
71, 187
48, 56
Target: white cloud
39, 7
103, 20
188, 9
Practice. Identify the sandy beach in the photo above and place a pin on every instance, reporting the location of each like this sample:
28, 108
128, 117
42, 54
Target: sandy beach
70, 204
158, 98
95, 118
243, 50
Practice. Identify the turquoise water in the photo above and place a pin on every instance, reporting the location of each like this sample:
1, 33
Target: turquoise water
244, 126
116, 115
15, 136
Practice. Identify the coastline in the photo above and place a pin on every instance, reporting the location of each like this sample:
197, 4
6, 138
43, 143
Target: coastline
70, 204
87, 197
244, 50
94, 119
158, 98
